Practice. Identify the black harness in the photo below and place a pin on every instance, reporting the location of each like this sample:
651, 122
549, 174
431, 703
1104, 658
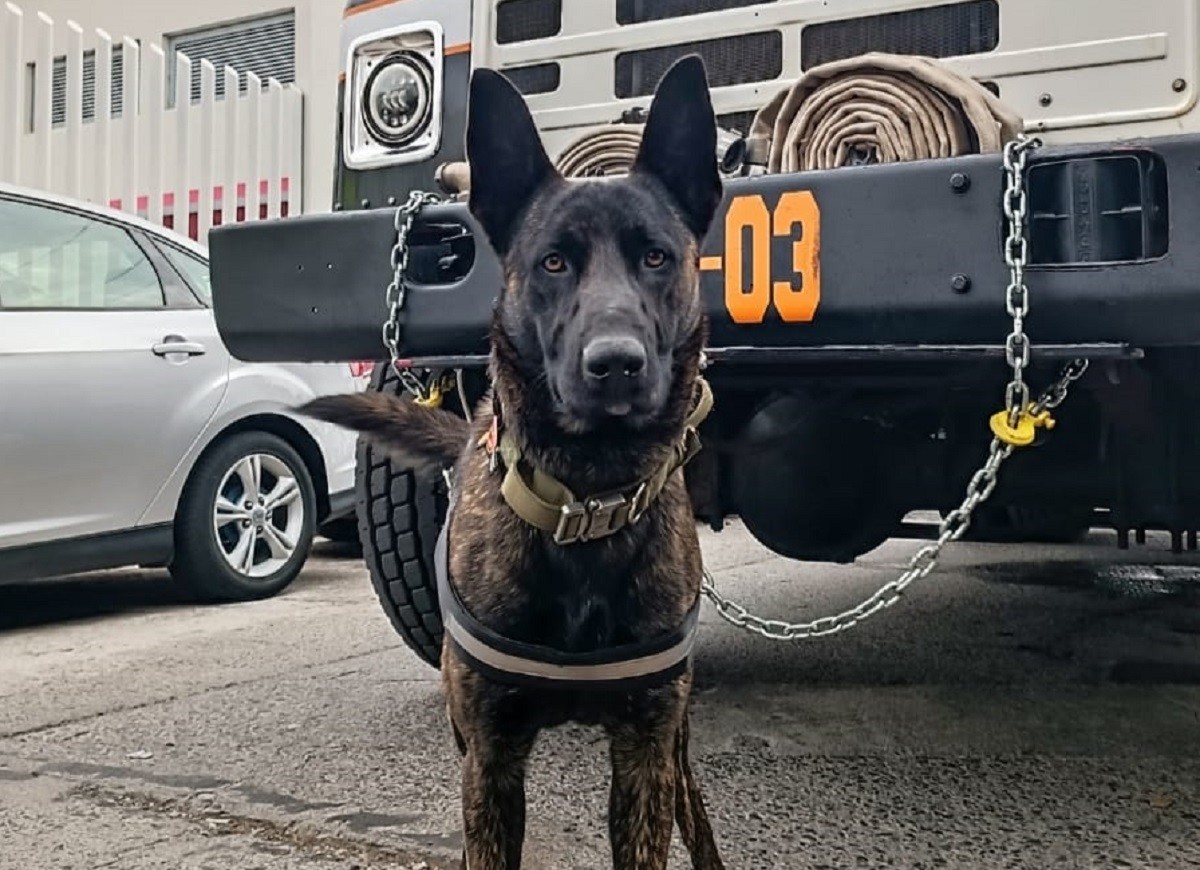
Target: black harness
622, 668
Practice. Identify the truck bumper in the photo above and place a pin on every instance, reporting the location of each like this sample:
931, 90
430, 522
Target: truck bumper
870, 263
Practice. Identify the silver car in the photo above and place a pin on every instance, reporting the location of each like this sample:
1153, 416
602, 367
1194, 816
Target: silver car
129, 435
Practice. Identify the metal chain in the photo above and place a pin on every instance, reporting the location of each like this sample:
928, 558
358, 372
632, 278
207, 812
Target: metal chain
1016, 295
397, 290
981, 485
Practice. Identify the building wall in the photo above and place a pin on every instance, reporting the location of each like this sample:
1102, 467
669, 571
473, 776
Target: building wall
317, 56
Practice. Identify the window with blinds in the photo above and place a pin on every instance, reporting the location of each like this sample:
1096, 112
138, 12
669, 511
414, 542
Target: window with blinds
58, 88
265, 46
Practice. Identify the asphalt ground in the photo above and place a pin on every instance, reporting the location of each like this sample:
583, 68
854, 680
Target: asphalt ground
1024, 707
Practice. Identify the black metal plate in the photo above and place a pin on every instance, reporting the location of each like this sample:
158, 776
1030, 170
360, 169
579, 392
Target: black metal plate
893, 238
313, 289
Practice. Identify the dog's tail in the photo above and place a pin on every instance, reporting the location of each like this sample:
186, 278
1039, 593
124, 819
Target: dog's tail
415, 435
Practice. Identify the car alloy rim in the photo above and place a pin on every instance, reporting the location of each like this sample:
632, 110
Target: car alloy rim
258, 515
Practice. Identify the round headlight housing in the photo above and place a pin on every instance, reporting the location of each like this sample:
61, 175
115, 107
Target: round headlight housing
397, 99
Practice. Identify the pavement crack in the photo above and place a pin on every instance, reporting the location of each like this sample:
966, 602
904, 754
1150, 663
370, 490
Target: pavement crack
298, 835
155, 702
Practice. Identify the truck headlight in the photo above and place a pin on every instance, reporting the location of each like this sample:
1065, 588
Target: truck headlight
398, 99
392, 111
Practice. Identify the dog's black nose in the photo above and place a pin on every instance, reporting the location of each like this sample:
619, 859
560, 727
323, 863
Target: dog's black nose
616, 356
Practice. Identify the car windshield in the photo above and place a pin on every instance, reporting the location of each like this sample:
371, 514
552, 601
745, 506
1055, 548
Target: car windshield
193, 269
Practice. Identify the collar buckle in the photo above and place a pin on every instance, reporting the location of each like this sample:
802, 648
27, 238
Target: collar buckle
597, 517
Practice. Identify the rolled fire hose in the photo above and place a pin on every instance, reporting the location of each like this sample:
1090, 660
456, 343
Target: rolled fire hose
605, 151
612, 150
878, 107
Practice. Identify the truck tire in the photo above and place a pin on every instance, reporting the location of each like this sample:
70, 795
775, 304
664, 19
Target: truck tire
400, 512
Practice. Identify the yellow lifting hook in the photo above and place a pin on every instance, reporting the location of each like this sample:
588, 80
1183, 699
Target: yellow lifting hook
433, 397
435, 393
1025, 430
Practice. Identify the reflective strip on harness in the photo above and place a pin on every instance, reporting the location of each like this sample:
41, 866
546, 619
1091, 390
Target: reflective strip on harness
623, 668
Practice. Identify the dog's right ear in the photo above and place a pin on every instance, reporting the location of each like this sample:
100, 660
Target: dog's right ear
508, 161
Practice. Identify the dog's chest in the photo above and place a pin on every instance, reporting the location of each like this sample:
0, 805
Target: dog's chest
583, 604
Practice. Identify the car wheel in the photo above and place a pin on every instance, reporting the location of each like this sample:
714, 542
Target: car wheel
246, 520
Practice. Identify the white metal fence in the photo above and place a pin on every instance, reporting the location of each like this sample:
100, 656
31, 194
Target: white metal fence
120, 123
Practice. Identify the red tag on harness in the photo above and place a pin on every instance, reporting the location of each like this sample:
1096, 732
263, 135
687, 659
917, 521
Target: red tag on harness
490, 441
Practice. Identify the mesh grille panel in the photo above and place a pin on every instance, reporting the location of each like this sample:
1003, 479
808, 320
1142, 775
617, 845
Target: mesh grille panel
263, 46
734, 60
638, 11
940, 31
541, 78
523, 20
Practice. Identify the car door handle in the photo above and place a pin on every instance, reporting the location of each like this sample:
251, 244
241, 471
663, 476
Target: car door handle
191, 348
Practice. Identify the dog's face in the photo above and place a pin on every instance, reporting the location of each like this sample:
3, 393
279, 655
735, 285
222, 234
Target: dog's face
601, 287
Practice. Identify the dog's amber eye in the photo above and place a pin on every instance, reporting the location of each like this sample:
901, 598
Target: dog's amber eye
554, 263
655, 258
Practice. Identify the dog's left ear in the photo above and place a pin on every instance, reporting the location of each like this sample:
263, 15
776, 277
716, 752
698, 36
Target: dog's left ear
679, 145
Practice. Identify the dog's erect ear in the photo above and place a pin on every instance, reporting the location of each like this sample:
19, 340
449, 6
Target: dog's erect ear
508, 161
679, 145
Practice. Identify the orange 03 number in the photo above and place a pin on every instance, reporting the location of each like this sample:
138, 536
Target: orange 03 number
796, 216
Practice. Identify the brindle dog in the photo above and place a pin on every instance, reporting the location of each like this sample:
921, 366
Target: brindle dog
596, 345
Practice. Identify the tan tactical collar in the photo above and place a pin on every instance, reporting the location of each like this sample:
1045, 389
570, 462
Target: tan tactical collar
547, 504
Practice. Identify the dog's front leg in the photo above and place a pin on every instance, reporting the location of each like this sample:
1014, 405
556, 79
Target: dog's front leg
493, 802
643, 796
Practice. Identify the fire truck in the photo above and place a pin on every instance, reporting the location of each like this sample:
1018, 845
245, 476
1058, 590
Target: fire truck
953, 233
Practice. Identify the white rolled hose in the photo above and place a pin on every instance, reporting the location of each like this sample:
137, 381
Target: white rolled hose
878, 107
